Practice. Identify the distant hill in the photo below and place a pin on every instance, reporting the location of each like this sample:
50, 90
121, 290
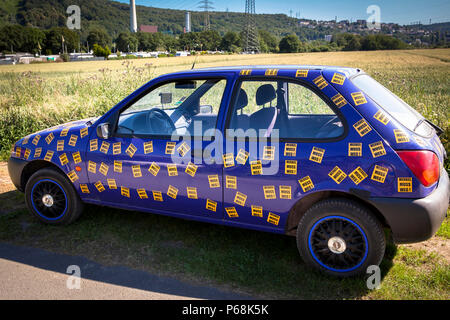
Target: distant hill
114, 17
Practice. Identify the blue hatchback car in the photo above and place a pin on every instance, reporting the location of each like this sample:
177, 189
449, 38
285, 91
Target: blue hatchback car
325, 154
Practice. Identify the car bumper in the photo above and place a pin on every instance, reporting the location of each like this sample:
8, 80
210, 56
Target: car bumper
15, 168
415, 220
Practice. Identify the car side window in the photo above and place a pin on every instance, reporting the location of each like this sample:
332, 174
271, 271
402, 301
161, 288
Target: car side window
174, 108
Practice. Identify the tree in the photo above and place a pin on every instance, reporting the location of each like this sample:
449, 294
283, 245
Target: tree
99, 51
55, 36
209, 40
127, 42
98, 36
267, 41
290, 43
230, 42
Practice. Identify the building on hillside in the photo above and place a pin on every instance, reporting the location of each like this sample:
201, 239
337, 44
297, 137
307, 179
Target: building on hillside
149, 29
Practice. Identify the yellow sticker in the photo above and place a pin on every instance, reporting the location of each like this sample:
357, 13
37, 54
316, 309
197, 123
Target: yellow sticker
83, 132
25, 140
400, 136
72, 176
125, 191
230, 182
357, 175
245, 72
338, 78
117, 148
306, 183
362, 127
60, 145
271, 72
214, 181
337, 175
18, 152
269, 153
339, 100
358, 98
380, 116
228, 160
63, 159
273, 218
285, 192
290, 150
26, 155
240, 198
242, 156
172, 170
183, 149
93, 145
290, 166
154, 169
73, 140
64, 132
37, 152
320, 82
157, 196
131, 150
404, 184
231, 212
92, 166
49, 138
256, 167
269, 192
36, 139
317, 154
48, 155
112, 184
301, 73
118, 166
191, 169
354, 149
379, 174
211, 205
104, 147
170, 147
99, 186
142, 193
103, 169
257, 211
84, 188
148, 147
377, 149
136, 169
172, 192
191, 192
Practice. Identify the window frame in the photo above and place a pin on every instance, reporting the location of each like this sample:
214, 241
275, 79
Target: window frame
303, 83
115, 117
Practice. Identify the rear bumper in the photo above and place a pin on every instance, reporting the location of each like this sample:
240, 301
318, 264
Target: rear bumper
15, 168
415, 220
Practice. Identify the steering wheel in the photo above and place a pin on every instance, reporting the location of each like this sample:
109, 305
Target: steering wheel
159, 122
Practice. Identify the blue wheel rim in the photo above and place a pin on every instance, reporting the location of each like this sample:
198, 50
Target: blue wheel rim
54, 189
357, 244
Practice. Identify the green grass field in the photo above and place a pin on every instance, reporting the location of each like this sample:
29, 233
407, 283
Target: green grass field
33, 97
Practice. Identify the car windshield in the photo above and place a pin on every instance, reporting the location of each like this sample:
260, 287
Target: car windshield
392, 104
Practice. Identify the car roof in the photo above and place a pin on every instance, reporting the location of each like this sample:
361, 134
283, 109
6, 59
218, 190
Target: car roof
345, 70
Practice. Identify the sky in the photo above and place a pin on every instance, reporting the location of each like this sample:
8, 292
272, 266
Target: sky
398, 11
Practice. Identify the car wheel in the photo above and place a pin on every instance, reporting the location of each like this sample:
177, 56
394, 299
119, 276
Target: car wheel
52, 198
340, 237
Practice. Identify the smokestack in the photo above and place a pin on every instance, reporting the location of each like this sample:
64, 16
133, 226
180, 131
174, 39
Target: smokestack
133, 20
188, 21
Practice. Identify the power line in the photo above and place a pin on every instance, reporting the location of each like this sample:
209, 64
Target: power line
251, 43
206, 5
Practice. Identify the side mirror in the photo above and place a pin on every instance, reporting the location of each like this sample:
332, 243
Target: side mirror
103, 130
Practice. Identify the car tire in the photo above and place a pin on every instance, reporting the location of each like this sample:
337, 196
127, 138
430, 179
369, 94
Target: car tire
340, 237
51, 198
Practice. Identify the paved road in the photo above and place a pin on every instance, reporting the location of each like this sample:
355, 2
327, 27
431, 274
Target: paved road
30, 273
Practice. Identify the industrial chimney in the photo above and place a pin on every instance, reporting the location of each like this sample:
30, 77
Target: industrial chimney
187, 21
133, 20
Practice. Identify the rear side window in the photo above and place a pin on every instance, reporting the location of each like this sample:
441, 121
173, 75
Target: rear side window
393, 105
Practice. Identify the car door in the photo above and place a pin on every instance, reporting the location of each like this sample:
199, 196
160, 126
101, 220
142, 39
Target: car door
271, 129
154, 159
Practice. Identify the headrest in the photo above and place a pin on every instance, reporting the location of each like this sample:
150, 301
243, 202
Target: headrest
242, 99
265, 94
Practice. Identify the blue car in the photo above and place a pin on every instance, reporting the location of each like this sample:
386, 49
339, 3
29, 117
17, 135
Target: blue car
325, 154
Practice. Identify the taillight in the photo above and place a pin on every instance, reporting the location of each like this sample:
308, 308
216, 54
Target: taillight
424, 164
